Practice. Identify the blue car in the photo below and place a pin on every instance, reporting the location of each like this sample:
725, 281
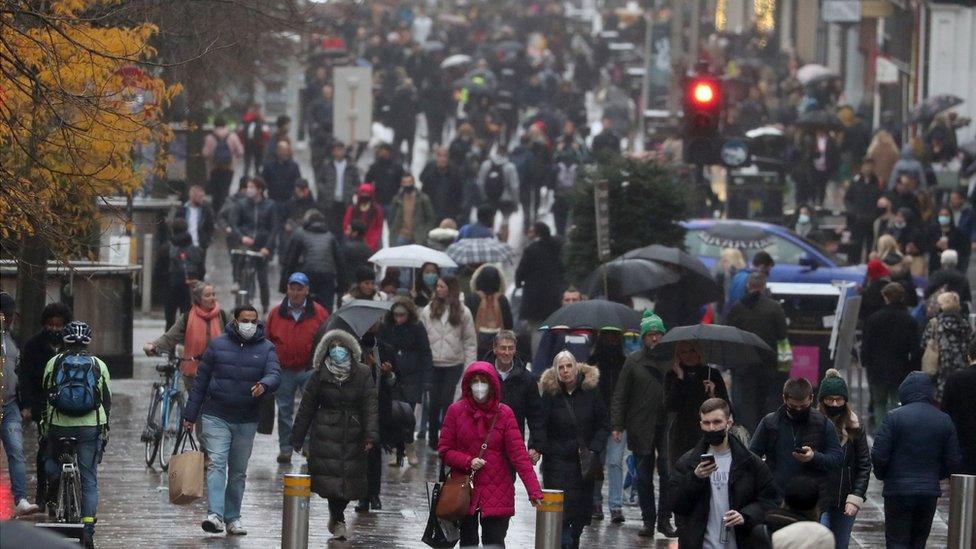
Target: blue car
797, 259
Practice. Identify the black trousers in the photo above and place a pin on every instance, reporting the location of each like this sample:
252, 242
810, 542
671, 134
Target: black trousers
529, 197
493, 531
435, 128
908, 520
374, 471
337, 509
560, 214
219, 186
441, 396
323, 289
253, 153
177, 297
862, 237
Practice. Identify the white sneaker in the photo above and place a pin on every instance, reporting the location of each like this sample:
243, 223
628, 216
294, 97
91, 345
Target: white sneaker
25, 507
213, 524
236, 528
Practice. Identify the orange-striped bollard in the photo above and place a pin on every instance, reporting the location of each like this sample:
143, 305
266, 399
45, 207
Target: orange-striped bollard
294, 513
549, 520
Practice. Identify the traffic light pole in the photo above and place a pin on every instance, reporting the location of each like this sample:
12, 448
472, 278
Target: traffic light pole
645, 97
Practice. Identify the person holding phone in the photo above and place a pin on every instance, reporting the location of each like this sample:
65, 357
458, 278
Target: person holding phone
716, 509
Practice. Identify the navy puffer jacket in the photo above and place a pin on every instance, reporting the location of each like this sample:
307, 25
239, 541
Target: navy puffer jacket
916, 445
229, 368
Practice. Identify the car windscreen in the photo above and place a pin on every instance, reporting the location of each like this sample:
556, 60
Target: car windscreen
783, 251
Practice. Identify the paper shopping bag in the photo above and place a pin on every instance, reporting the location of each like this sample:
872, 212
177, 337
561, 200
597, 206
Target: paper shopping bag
185, 471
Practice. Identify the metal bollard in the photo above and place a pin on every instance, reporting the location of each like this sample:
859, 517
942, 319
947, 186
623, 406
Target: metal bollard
294, 513
962, 511
549, 520
147, 272
241, 298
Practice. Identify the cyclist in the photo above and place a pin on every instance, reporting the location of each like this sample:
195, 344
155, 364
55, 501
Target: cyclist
78, 408
254, 223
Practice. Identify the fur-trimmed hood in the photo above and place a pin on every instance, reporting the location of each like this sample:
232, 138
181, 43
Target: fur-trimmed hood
481, 271
549, 382
347, 339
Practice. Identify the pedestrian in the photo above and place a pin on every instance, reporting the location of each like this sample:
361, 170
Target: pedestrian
484, 225
87, 424
281, 134
761, 262
336, 182
291, 327
963, 217
498, 184
480, 438
424, 286
950, 278
255, 225
237, 368
708, 499
915, 448
40, 348
638, 419
689, 383
491, 309
575, 422
847, 486
441, 237
340, 416
877, 276
959, 388
860, 203
889, 350
386, 174
799, 508
540, 275
254, 139
950, 332
355, 252
293, 212
394, 425
222, 149
908, 165
607, 142
520, 392
413, 362
730, 262
412, 214
883, 151
281, 172
367, 212
320, 119
944, 237
453, 343
365, 287
11, 425
608, 357
315, 251
180, 264
199, 216
443, 183
754, 386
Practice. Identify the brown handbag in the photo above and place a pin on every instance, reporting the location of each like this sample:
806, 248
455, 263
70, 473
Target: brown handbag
455, 497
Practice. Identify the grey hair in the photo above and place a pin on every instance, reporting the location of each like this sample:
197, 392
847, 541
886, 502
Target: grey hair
506, 334
564, 354
196, 292
949, 258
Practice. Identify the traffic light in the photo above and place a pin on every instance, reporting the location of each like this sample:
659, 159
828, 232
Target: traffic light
702, 116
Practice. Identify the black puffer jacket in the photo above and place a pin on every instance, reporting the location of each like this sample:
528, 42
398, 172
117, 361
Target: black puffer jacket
520, 392
314, 249
342, 417
849, 483
413, 362
258, 220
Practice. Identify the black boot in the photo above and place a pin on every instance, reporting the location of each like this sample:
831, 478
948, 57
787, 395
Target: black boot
647, 531
362, 507
665, 527
374, 502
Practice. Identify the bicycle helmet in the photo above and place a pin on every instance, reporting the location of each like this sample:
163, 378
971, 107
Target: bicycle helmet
77, 332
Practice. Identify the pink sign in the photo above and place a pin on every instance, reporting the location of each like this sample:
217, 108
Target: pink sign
806, 363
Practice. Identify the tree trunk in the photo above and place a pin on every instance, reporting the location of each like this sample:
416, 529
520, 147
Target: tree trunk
31, 289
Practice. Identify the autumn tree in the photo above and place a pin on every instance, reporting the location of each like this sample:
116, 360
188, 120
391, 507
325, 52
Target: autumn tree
76, 98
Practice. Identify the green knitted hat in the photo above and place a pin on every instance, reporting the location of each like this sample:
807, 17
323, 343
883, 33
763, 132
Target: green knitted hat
833, 385
651, 323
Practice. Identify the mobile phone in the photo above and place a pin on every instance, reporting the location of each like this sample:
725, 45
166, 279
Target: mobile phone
798, 450
708, 458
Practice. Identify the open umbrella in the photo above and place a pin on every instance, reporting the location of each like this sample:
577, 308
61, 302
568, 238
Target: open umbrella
627, 277
413, 256
696, 281
469, 251
357, 316
722, 345
807, 74
455, 61
594, 314
736, 235
764, 131
931, 106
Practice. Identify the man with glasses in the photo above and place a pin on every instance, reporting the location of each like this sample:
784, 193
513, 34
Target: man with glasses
519, 389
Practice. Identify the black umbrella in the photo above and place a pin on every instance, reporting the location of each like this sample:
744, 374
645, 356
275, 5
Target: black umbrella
722, 345
696, 281
594, 314
819, 119
736, 235
627, 277
358, 316
931, 106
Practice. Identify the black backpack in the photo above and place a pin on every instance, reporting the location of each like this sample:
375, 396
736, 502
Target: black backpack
184, 264
495, 183
221, 154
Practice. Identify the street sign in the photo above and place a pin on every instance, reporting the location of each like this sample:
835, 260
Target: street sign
735, 153
352, 104
601, 203
841, 11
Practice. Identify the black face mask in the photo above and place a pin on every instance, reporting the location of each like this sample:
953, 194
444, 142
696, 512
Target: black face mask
799, 416
835, 411
53, 336
714, 438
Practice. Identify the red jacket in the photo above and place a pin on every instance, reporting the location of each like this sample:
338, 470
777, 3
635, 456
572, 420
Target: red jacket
293, 339
372, 218
464, 429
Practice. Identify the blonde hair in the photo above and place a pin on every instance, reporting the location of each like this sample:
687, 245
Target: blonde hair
949, 302
887, 245
731, 258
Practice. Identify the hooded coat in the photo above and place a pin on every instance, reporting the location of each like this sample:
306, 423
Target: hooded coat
890, 344
953, 332
372, 218
540, 275
638, 404
341, 417
916, 445
464, 431
560, 437
413, 362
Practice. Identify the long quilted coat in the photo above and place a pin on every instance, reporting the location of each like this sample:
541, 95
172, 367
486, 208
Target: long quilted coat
464, 430
343, 417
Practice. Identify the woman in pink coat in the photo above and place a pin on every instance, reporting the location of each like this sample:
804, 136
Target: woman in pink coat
462, 433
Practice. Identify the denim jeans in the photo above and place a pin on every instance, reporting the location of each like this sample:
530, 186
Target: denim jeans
613, 460
88, 449
12, 436
229, 446
840, 524
908, 520
291, 381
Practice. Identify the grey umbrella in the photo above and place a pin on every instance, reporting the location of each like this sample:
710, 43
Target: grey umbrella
931, 106
695, 280
357, 316
722, 345
627, 277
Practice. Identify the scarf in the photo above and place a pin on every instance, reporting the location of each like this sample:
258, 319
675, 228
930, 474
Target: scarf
200, 329
339, 369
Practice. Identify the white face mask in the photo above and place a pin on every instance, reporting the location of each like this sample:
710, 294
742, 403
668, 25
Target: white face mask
247, 330
479, 389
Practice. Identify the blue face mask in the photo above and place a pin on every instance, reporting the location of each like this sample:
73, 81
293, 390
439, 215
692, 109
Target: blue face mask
945, 220
803, 219
339, 354
430, 279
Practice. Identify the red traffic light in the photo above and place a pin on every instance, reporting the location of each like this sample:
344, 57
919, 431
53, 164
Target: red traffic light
704, 93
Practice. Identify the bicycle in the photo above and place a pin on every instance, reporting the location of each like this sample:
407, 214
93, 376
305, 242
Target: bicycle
68, 508
248, 274
165, 413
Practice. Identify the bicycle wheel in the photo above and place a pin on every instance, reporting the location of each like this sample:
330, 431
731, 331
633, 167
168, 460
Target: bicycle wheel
170, 430
74, 507
153, 426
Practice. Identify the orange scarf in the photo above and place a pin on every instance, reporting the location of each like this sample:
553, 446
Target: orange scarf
201, 327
